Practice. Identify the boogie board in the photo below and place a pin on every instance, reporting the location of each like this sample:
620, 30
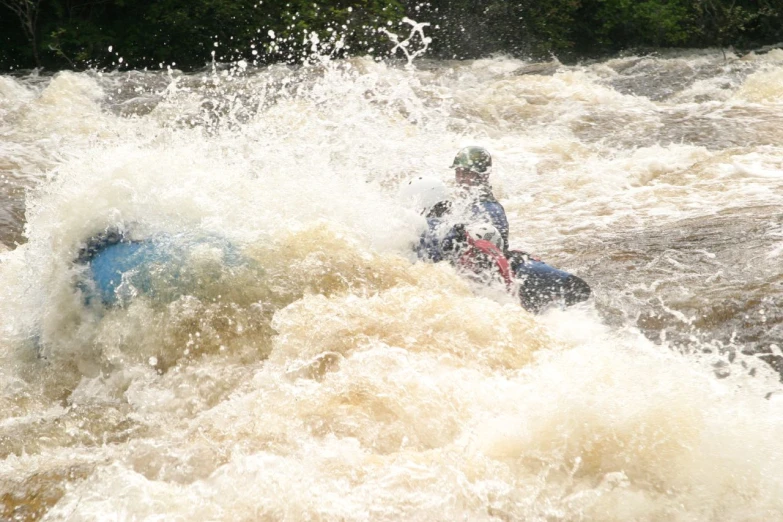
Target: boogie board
162, 267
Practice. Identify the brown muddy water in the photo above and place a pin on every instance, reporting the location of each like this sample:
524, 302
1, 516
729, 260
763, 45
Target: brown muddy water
335, 378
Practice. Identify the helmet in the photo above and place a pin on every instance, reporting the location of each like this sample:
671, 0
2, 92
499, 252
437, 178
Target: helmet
486, 232
476, 159
423, 193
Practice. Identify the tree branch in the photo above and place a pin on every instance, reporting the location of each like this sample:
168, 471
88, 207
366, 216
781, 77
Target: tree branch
27, 12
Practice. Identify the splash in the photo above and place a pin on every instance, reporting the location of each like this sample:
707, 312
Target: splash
416, 35
330, 375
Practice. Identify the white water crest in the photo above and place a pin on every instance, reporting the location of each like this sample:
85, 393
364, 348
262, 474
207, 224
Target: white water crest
336, 378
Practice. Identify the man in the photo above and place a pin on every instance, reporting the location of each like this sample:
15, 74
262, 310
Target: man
464, 231
447, 217
431, 199
472, 167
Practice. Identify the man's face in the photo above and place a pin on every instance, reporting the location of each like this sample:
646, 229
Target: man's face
467, 177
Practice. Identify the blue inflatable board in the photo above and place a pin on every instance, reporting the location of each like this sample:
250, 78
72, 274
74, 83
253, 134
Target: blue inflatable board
121, 269
129, 267
542, 285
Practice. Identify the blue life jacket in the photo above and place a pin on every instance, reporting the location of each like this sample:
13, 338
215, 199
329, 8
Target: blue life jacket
436, 242
430, 245
485, 208
493, 212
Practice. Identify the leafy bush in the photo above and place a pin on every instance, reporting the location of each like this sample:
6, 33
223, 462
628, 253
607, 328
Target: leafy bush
154, 33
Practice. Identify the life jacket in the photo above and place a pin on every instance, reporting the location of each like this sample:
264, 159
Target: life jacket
485, 207
486, 261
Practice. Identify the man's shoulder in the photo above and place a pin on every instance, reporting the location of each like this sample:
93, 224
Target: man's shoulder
485, 194
489, 197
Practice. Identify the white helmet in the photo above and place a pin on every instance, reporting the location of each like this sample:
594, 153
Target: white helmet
423, 193
485, 231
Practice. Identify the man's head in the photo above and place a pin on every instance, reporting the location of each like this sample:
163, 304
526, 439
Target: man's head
428, 195
472, 166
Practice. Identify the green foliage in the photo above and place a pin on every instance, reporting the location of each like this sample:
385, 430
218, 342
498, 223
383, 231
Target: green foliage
159, 33
646, 23
192, 33
574, 28
469, 28
15, 51
535, 28
732, 23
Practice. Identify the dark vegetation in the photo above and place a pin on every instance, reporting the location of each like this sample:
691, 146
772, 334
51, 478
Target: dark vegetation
78, 34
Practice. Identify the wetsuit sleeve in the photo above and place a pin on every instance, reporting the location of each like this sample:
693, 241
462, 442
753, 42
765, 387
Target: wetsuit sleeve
429, 246
497, 215
453, 240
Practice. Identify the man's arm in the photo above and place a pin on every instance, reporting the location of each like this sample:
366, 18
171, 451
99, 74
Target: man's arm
497, 215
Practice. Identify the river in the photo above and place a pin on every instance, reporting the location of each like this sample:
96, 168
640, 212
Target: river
340, 379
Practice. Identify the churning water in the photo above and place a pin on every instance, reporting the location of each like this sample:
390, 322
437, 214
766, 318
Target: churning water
335, 379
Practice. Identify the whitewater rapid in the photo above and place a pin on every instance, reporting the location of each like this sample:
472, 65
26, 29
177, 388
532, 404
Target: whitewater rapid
336, 378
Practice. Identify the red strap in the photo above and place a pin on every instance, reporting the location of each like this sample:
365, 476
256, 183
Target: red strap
489, 249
